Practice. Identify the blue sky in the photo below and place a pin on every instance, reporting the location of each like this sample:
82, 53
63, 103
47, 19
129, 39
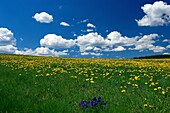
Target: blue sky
85, 28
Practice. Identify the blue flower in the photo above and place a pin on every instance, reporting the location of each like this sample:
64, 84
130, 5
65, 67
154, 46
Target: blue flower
99, 99
94, 102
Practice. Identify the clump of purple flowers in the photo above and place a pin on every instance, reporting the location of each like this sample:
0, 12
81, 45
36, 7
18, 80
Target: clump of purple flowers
93, 103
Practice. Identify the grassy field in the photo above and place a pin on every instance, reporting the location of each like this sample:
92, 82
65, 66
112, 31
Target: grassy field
69, 85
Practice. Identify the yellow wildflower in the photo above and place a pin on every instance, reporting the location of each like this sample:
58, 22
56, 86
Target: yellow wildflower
145, 105
91, 81
159, 87
155, 89
123, 91
163, 92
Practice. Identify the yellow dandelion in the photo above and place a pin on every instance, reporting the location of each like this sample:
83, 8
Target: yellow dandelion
156, 82
92, 82
123, 91
152, 84
145, 105
136, 85
155, 89
107, 74
87, 79
159, 87
91, 79
47, 74
136, 77
163, 92
129, 82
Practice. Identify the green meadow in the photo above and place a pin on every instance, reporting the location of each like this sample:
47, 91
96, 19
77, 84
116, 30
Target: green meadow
32, 84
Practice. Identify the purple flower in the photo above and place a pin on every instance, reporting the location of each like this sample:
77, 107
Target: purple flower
99, 99
83, 104
94, 102
139, 87
94, 99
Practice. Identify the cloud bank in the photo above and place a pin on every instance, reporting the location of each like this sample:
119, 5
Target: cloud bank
89, 44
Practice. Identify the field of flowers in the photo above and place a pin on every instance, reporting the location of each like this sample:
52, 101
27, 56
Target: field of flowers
32, 84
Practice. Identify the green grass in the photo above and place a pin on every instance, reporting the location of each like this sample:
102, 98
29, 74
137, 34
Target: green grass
62, 94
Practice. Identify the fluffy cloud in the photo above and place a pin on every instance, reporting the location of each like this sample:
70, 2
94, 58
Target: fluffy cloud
96, 49
26, 51
56, 42
115, 38
157, 14
95, 42
91, 53
64, 24
10, 49
119, 48
90, 30
42, 51
43, 17
84, 53
168, 46
96, 54
90, 40
166, 53
145, 42
7, 41
90, 44
166, 40
91, 25
157, 49
6, 37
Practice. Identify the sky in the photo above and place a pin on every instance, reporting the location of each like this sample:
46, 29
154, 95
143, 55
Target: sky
85, 28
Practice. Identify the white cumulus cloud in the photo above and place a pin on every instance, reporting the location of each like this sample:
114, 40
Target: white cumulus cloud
119, 48
6, 37
157, 49
56, 42
156, 14
8, 49
91, 25
90, 40
115, 38
91, 53
90, 30
64, 24
147, 42
41, 51
168, 46
43, 17
7, 41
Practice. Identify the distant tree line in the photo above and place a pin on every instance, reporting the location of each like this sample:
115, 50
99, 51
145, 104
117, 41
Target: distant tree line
153, 57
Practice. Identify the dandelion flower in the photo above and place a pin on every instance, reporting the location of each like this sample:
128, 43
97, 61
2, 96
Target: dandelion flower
87, 79
145, 105
92, 82
123, 91
159, 87
163, 92
155, 89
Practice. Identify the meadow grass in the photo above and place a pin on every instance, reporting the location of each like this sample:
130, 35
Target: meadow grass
57, 85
